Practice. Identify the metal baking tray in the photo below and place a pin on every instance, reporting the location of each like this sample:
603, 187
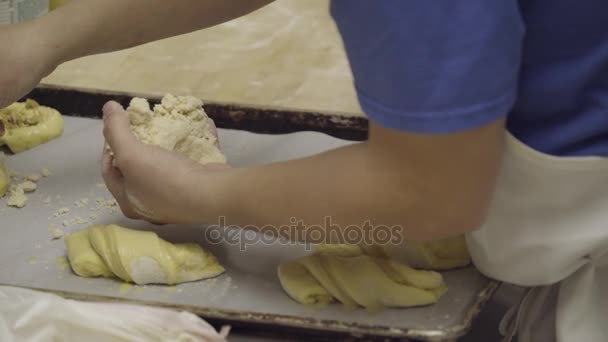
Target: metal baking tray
249, 294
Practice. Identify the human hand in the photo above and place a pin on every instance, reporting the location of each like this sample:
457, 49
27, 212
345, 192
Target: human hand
25, 59
148, 182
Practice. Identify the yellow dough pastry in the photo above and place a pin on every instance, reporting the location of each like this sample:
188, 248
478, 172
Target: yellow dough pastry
178, 123
440, 255
343, 273
24, 125
138, 257
82, 257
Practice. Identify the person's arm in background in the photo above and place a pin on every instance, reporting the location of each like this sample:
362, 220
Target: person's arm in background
31, 50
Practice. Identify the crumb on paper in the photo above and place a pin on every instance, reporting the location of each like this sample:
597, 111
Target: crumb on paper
47, 200
100, 185
61, 211
17, 197
28, 186
34, 177
45, 172
74, 221
57, 233
81, 203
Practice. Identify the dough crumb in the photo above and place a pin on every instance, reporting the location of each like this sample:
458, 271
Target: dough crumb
34, 177
28, 186
57, 233
61, 212
81, 203
17, 197
45, 172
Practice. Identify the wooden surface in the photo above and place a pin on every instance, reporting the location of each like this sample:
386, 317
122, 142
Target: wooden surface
288, 54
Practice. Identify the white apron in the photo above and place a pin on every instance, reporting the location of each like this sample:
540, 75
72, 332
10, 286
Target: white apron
547, 229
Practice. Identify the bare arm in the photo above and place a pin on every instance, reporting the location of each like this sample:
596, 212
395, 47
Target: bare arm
434, 186
34, 49
86, 27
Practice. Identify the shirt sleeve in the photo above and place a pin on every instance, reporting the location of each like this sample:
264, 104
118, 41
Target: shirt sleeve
433, 66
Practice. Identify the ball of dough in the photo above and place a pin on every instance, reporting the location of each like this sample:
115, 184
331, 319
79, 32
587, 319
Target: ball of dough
24, 125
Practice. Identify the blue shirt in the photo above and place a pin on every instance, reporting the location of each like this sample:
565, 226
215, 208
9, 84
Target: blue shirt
441, 66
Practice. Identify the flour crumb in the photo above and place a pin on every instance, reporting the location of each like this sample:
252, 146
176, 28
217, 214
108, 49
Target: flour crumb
81, 203
17, 197
34, 177
45, 172
47, 200
61, 211
57, 233
28, 186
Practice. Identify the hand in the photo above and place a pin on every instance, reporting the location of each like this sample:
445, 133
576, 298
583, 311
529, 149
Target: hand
24, 61
148, 182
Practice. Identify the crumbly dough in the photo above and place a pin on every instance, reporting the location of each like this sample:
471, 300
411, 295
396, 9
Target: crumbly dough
345, 274
33, 177
24, 125
17, 197
28, 186
138, 257
178, 123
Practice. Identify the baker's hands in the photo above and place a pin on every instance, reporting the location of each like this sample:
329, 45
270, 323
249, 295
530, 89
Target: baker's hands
25, 59
148, 182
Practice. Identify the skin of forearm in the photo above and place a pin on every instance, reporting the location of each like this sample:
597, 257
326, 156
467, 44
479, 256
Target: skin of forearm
427, 189
87, 27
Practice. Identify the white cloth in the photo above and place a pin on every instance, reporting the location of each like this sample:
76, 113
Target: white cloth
548, 229
27, 315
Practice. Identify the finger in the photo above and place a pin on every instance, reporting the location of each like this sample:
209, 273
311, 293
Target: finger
117, 129
115, 183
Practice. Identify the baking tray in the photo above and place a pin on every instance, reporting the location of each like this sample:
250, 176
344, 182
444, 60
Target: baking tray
249, 294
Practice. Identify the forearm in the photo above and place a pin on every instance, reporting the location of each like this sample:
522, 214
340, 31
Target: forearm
352, 186
86, 27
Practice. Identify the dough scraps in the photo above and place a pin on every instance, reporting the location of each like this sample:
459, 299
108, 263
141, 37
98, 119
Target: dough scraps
139, 257
24, 125
178, 123
341, 273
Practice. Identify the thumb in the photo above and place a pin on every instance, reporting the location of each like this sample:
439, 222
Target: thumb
117, 129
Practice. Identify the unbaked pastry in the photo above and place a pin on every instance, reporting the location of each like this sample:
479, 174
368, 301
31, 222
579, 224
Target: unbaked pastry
138, 257
24, 125
178, 123
444, 254
343, 273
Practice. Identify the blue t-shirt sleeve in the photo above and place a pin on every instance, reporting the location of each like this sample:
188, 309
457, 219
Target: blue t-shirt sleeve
433, 66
